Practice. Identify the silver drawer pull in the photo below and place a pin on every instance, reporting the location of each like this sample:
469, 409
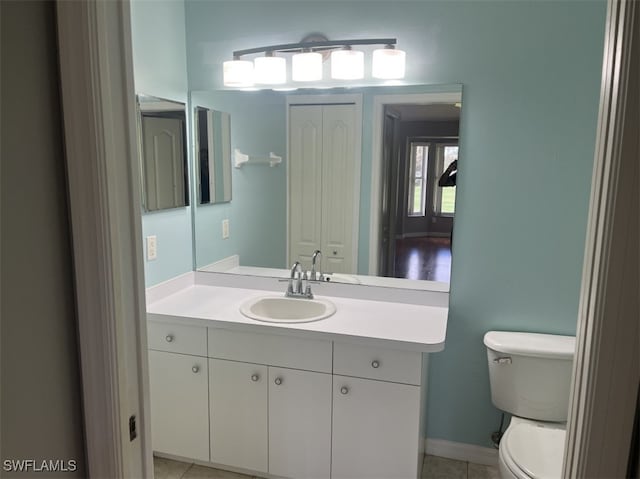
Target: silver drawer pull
502, 360
195, 369
169, 338
278, 381
344, 390
254, 377
375, 364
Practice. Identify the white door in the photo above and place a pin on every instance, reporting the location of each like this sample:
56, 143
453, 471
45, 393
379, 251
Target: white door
163, 151
238, 414
338, 177
179, 404
322, 178
375, 429
299, 424
305, 175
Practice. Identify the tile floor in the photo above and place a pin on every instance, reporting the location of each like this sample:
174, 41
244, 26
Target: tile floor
434, 468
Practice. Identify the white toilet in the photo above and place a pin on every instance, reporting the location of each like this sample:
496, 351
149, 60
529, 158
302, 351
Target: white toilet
530, 378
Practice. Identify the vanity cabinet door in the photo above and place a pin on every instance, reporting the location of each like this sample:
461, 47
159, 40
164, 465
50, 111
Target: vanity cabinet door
179, 404
299, 423
238, 414
375, 429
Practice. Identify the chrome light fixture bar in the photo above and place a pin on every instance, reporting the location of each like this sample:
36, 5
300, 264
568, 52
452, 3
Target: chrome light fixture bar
346, 63
315, 45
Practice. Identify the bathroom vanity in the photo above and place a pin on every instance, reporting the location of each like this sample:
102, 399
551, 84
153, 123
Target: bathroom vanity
340, 397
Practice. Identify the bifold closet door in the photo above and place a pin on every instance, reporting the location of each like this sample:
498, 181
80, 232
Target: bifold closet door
322, 180
305, 182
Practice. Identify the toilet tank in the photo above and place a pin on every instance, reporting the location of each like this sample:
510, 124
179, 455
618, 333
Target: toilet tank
530, 373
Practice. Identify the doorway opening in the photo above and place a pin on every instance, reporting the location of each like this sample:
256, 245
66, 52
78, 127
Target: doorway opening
419, 169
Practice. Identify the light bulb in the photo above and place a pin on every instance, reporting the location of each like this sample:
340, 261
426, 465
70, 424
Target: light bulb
347, 64
238, 73
306, 66
270, 70
388, 64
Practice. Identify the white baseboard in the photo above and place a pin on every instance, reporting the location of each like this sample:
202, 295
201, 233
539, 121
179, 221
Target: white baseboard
461, 451
433, 234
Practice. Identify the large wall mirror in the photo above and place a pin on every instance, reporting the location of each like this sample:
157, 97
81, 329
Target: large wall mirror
163, 153
367, 178
212, 130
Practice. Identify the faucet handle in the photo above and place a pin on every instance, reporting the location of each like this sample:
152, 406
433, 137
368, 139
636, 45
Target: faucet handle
307, 292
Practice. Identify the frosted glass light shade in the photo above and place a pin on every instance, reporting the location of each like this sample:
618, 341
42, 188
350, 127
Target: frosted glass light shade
237, 73
270, 70
388, 64
306, 66
347, 65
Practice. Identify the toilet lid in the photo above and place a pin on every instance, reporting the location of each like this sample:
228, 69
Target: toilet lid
536, 450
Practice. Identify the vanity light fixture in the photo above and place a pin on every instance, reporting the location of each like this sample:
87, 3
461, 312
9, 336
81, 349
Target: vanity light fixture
347, 64
238, 73
270, 69
306, 66
307, 62
388, 63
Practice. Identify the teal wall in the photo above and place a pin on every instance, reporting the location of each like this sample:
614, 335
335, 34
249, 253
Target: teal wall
531, 75
160, 69
257, 212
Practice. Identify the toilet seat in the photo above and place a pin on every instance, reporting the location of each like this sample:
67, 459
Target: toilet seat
533, 450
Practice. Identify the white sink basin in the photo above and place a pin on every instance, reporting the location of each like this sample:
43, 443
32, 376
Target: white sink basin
280, 309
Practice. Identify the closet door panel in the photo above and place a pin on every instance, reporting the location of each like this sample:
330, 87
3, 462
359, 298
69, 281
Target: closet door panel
305, 173
339, 219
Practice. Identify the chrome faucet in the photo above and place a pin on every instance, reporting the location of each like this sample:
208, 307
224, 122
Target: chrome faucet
296, 273
315, 276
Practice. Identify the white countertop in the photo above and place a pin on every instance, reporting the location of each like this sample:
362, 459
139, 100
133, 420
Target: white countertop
396, 325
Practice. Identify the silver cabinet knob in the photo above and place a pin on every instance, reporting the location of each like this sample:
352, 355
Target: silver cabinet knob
254, 377
195, 369
278, 381
375, 364
169, 338
344, 390
335, 252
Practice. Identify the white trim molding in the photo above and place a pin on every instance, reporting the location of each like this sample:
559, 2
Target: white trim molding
379, 102
222, 265
607, 363
96, 72
459, 451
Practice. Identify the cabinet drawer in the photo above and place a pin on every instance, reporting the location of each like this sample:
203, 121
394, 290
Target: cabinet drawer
377, 363
270, 349
177, 338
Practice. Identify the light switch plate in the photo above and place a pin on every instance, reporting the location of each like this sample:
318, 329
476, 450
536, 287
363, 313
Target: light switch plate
152, 248
225, 229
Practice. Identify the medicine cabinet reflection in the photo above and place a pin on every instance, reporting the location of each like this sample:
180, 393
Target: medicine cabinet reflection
213, 151
163, 155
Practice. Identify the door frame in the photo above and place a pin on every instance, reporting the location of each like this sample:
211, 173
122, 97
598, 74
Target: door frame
99, 123
333, 99
379, 104
606, 369
103, 176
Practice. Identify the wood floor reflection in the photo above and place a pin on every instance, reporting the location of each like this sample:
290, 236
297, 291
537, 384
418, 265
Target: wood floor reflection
426, 258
